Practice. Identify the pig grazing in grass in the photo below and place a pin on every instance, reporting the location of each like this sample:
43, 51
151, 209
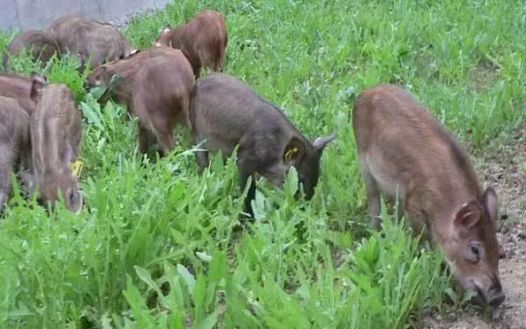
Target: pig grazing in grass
15, 143
203, 40
37, 43
56, 133
156, 85
226, 113
93, 41
407, 154
19, 88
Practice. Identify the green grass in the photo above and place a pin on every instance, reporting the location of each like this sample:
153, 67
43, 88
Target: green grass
160, 247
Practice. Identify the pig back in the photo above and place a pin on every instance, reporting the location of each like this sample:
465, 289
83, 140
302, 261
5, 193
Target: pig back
90, 39
37, 42
19, 88
56, 128
224, 110
400, 142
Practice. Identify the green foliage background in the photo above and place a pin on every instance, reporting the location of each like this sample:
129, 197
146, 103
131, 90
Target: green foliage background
160, 247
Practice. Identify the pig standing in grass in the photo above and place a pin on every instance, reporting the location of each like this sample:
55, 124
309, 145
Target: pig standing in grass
406, 153
93, 41
37, 43
203, 40
19, 88
15, 143
56, 132
225, 113
156, 85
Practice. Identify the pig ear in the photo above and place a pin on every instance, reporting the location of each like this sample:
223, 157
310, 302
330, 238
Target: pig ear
490, 203
468, 216
294, 151
320, 142
37, 83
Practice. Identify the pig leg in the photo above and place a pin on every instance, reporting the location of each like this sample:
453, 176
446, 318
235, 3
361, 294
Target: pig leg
202, 160
6, 162
373, 199
247, 168
146, 139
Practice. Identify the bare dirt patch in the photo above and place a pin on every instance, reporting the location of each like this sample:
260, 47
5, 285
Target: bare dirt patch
503, 169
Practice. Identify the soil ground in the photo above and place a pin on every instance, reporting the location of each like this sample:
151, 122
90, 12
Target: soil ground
505, 170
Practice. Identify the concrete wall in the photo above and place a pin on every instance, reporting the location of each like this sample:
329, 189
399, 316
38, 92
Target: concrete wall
37, 14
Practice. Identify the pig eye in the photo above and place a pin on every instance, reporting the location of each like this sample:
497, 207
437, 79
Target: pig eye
474, 252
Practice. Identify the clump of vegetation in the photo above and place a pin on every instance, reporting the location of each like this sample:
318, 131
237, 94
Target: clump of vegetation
160, 247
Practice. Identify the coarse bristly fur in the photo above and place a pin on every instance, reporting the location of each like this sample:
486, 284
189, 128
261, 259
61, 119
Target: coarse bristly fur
15, 144
409, 155
56, 133
19, 88
39, 45
156, 85
93, 41
203, 40
226, 113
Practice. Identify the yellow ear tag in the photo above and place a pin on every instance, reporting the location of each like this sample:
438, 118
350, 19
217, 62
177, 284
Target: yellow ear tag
76, 168
291, 154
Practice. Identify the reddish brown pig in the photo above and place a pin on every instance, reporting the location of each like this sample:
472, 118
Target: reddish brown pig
117, 77
156, 85
56, 133
406, 153
203, 40
15, 144
37, 43
19, 88
93, 41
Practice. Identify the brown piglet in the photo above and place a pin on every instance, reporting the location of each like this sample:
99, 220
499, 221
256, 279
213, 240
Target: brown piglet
408, 155
156, 85
39, 45
226, 113
56, 133
19, 88
203, 40
15, 144
93, 41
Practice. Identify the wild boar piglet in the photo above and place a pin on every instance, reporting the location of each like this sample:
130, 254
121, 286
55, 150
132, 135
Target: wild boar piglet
203, 40
93, 41
15, 144
19, 88
407, 154
39, 45
226, 113
56, 133
155, 85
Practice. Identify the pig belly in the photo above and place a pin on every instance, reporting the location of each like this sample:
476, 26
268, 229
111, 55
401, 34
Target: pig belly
388, 180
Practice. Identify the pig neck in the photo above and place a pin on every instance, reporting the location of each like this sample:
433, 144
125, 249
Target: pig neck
443, 205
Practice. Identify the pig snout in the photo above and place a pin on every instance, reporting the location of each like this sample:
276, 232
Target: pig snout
493, 296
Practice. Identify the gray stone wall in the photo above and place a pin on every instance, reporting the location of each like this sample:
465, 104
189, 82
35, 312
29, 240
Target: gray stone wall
37, 14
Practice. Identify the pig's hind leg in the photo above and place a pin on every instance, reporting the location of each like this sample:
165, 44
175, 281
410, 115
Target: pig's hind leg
6, 163
373, 199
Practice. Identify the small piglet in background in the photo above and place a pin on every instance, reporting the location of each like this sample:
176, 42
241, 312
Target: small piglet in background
38, 44
19, 88
93, 41
15, 144
156, 85
226, 112
56, 133
203, 40
407, 154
